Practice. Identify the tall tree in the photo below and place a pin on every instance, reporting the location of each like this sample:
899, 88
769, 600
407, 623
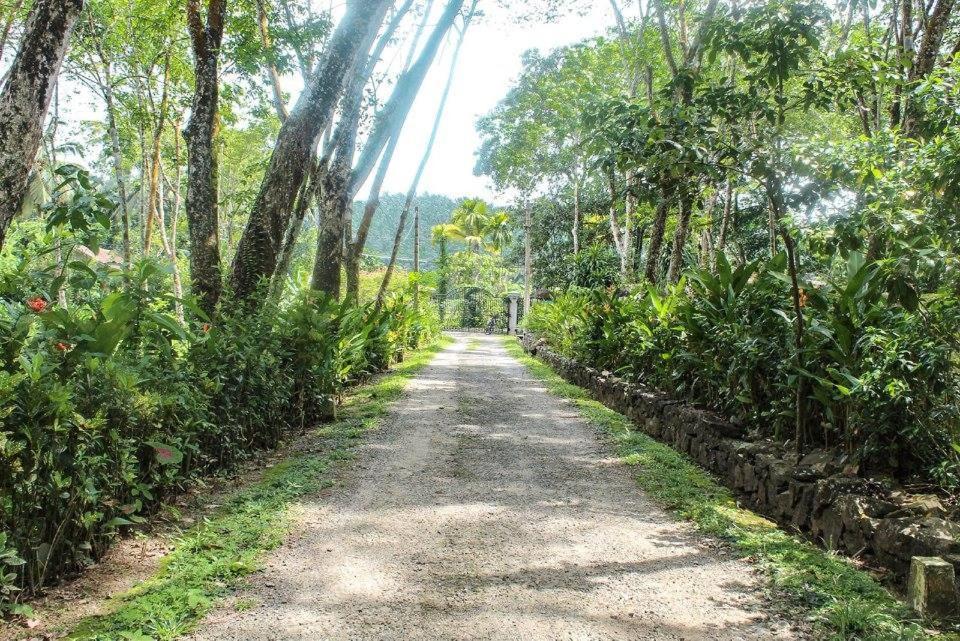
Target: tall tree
623, 237
26, 96
102, 72
391, 118
155, 196
338, 151
263, 23
683, 80
202, 214
527, 255
336, 172
260, 246
381, 145
427, 152
328, 257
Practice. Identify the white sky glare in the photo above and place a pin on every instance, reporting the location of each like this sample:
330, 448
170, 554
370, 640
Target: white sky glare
490, 62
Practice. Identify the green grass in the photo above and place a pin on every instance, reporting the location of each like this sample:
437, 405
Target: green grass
209, 559
840, 601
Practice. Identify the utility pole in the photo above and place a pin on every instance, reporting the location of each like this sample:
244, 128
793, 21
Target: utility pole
416, 257
527, 258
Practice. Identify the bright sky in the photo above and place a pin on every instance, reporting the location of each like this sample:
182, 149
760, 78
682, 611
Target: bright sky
489, 63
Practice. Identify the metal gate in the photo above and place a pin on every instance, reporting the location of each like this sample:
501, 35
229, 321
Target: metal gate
472, 308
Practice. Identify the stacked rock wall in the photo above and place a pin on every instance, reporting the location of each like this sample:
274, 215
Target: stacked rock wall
812, 495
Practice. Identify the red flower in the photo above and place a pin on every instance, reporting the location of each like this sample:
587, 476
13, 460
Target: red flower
37, 305
63, 347
206, 327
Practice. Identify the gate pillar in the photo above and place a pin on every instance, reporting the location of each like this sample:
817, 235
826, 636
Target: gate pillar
514, 306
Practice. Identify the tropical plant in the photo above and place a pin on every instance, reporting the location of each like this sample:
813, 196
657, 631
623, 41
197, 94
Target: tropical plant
473, 224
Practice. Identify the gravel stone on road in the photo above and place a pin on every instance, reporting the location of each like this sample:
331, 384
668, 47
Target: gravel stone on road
486, 508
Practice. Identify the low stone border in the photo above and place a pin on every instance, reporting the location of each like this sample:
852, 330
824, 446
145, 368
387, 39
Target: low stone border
860, 517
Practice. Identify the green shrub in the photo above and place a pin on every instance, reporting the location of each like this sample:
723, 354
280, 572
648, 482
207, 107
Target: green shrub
881, 376
595, 266
111, 403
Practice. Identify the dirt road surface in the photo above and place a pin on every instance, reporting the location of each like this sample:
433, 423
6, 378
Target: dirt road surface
486, 508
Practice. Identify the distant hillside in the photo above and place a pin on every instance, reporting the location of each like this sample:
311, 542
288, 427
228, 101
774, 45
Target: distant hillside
434, 210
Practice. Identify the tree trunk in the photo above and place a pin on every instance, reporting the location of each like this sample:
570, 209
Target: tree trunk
926, 57
202, 201
680, 239
638, 246
385, 283
308, 194
174, 227
575, 230
413, 77
337, 178
26, 96
706, 237
355, 248
416, 256
170, 246
665, 37
143, 189
634, 76
772, 225
899, 104
153, 207
106, 89
334, 208
527, 258
427, 152
272, 73
706, 248
391, 118
657, 232
442, 280
630, 210
261, 243
352, 270
801, 432
119, 174
725, 224
614, 222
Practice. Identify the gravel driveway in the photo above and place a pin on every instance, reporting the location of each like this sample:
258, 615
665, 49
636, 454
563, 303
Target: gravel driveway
485, 508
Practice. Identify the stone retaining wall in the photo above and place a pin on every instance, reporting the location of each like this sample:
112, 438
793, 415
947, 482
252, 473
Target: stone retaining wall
857, 516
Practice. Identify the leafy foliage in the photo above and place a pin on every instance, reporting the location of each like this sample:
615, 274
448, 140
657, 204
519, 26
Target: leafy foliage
111, 404
881, 378
227, 546
785, 174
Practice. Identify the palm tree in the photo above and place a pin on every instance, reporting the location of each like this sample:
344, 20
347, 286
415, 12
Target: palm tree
470, 219
444, 232
475, 225
440, 234
497, 232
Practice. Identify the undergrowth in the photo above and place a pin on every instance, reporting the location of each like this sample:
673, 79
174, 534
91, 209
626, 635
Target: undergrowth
841, 601
209, 559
